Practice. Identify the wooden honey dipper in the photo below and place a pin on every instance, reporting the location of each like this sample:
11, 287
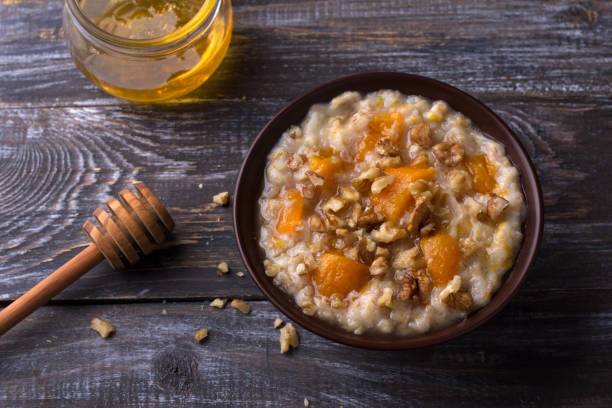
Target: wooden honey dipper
136, 226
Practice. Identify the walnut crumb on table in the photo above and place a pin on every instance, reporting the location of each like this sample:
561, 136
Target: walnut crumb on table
288, 338
277, 322
221, 198
223, 267
306, 402
218, 303
103, 327
200, 335
240, 305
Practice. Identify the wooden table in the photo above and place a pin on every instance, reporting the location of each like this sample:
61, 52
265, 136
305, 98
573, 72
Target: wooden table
65, 146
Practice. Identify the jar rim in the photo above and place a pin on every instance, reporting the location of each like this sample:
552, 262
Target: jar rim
200, 23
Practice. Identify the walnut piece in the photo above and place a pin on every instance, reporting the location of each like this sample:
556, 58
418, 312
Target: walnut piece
272, 269
277, 322
421, 160
333, 205
221, 198
200, 335
389, 162
363, 182
387, 232
366, 253
240, 305
416, 286
315, 223
314, 178
218, 303
408, 259
460, 300
450, 154
368, 218
381, 183
420, 213
496, 206
349, 194
420, 135
385, 147
288, 338
309, 190
223, 267
104, 328
295, 161
379, 267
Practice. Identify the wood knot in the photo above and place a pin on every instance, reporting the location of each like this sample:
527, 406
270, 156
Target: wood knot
579, 15
175, 370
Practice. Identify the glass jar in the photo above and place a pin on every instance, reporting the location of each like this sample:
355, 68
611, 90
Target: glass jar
155, 69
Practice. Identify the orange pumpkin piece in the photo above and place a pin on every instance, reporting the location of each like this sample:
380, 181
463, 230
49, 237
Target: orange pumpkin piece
482, 172
339, 274
443, 257
389, 125
291, 214
395, 200
327, 167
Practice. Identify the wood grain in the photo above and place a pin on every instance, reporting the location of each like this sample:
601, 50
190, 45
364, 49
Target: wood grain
152, 360
550, 49
65, 146
60, 172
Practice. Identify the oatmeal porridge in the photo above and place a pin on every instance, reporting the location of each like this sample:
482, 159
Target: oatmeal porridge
389, 213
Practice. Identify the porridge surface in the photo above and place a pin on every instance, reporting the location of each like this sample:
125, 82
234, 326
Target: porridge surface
389, 213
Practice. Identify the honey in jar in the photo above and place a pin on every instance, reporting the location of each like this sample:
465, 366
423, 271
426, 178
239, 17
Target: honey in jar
148, 50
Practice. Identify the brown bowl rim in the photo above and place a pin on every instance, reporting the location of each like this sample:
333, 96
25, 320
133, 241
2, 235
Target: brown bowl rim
293, 113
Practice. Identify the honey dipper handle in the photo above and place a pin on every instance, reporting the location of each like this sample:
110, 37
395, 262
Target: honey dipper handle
49, 287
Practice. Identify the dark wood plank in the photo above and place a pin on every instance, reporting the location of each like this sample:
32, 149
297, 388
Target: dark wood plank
58, 164
54, 358
552, 48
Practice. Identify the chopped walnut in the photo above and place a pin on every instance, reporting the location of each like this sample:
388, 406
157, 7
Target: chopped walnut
368, 218
389, 162
336, 301
314, 178
277, 322
410, 288
450, 154
218, 303
387, 232
221, 198
416, 286
347, 236
496, 206
315, 223
384, 252
366, 252
386, 299
381, 183
355, 215
421, 160
420, 135
385, 147
240, 305
288, 338
460, 300
104, 328
379, 267
200, 335
309, 190
459, 181
272, 269
420, 213
408, 259
349, 194
352, 252
333, 205
294, 161
363, 182
223, 267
